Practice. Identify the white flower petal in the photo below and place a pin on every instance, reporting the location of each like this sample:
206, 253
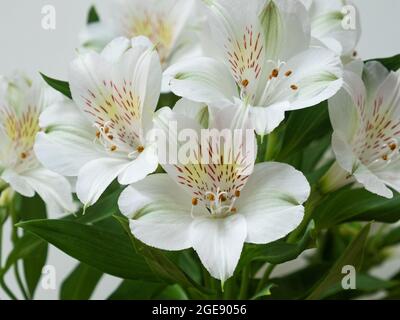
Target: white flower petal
96, 176
165, 221
343, 111
371, 182
272, 201
374, 76
54, 189
156, 188
143, 165
219, 243
343, 152
66, 152
115, 49
71, 116
266, 119
18, 183
316, 75
202, 80
191, 109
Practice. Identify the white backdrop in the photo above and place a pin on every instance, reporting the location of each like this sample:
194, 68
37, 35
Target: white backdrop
27, 47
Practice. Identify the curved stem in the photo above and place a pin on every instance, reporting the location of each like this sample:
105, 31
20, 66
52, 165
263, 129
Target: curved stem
265, 278
2, 283
19, 282
245, 283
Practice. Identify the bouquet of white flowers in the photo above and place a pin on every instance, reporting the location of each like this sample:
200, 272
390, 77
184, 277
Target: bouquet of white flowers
198, 145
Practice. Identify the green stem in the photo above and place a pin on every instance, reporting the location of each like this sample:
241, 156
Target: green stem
245, 283
7, 290
19, 282
271, 146
2, 283
265, 278
14, 239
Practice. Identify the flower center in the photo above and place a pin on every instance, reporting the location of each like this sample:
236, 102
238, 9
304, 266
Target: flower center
377, 139
156, 28
20, 132
112, 142
219, 203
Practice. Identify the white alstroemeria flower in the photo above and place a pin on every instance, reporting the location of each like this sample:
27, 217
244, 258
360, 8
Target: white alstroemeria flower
169, 24
336, 24
365, 116
105, 136
259, 52
21, 103
218, 206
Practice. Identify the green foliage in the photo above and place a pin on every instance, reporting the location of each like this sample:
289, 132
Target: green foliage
107, 251
80, 284
392, 63
92, 15
353, 256
58, 85
355, 205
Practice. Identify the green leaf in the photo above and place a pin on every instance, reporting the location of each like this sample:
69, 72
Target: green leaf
58, 85
355, 205
353, 255
105, 208
107, 251
264, 292
33, 262
365, 284
303, 127
392, 238
80, 284
92, 15
137, 290
392, 63
23, 248
276, 252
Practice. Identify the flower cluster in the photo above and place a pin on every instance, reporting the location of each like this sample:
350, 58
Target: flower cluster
236, 72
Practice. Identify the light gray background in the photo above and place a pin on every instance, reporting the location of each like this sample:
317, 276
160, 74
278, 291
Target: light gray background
27, 47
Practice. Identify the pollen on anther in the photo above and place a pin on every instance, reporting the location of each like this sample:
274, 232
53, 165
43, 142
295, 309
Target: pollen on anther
211, 197
140, 149
294, 87
275, 73
111, 137
392, 146
194, 202
113, 148
23, 155
385, 157
237, 193
288, 73
233, 210
97, 134
222, 198
245, 83
107, 130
